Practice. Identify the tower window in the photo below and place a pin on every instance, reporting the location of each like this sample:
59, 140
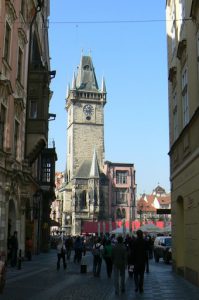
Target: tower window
83, 200
33, 109
86, 68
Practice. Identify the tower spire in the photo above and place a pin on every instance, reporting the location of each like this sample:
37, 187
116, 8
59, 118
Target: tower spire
94, 171
68, 90
103, 88
86, 78
74, 82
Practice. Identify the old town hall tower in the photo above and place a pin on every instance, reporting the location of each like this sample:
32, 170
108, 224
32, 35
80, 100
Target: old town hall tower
85, 146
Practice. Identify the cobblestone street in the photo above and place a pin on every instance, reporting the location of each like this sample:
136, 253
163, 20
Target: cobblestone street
39, 280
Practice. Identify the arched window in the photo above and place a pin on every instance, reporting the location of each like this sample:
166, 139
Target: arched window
118, 214
123, 213
95, 198
83, 200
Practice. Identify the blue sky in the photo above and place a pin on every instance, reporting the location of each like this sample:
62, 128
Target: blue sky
132, 56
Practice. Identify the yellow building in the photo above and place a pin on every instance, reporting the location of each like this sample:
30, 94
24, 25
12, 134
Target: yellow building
183, 78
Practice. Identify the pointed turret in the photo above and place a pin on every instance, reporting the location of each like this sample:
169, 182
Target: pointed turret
94, 171
86, 78
103, 88
74, 82
68, 90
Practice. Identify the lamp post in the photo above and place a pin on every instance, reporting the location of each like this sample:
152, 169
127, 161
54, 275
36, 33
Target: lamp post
140, 212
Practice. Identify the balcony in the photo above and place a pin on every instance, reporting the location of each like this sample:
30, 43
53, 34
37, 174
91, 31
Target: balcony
47, 170
37, 113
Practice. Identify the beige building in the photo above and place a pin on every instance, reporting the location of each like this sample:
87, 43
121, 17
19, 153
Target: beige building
26, 163
183, 76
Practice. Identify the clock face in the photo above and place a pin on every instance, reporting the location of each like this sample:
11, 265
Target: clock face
88, 110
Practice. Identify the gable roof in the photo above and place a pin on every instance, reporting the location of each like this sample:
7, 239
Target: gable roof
84, 170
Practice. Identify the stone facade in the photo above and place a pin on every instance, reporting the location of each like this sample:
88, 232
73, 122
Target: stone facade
183, 69
26, 185
85, 146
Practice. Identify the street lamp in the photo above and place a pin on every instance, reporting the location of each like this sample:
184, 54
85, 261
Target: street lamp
140, 212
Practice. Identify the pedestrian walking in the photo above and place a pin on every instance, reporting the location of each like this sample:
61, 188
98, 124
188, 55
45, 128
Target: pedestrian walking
107, 255
139, 260
148, 252
61, 251
29, 245
119, 258
14, 249
78, 250
97, 252
130, 256
69, 246
84, 246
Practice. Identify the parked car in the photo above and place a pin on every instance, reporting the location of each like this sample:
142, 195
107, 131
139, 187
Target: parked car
162, 248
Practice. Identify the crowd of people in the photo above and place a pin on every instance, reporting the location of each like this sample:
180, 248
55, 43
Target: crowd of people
132, 253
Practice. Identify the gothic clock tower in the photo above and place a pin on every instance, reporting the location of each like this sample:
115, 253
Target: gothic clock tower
85, 144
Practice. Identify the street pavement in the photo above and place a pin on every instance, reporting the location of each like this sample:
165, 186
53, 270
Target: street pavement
39, 280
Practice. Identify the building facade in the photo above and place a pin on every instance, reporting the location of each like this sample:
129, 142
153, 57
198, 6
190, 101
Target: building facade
148, 206
85, 146
56, 214
27, 165
183, 83
122, 191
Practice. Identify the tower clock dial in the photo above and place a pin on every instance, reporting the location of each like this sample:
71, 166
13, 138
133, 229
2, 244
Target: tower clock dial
88, 109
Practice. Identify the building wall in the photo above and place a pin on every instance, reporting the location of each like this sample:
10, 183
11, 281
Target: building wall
184, 142
12, 99
111, 170
18, 175
84, 135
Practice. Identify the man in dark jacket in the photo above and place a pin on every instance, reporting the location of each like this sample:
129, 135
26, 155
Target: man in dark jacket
14, 249
119, 258
139, 260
